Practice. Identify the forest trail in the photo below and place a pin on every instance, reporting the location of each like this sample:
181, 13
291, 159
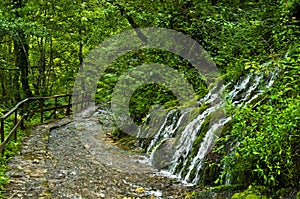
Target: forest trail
75, 158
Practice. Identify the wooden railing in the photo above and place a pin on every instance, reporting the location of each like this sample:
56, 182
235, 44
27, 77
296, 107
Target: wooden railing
29, 107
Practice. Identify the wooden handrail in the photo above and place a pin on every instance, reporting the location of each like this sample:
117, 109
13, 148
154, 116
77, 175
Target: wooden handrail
22, 112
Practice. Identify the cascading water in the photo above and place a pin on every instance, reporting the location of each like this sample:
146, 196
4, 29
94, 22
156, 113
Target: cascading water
181, 144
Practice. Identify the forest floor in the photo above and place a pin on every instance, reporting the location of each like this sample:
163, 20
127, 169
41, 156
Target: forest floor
75, 158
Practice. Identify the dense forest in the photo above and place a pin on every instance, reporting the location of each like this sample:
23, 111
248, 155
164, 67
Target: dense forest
44, 45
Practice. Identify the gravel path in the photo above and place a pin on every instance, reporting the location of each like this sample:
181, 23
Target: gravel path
74, 158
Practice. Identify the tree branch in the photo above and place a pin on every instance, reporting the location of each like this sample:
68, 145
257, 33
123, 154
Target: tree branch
132, 23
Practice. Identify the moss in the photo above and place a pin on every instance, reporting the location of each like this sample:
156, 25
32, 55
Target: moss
227, 191
192, 103
202, 132
125, 141
207, 173
197, 111
237, 196
190, 195
128, 141
220, 192
247, 196
118, 134
227, 187
253, 192
179, 167
254, 196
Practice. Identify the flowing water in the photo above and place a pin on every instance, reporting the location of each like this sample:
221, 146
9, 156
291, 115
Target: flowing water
180, 145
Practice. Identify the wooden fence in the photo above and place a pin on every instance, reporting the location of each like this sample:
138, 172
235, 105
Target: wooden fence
29, 107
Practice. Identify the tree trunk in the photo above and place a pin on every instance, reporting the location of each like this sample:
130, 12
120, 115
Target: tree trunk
21, 52
133, 24
21, 49
3, 89
214, 2
16, 87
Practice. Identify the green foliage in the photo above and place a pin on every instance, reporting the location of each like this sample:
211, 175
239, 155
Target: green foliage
253, 192
3, 177
266, 140
12, 148
59, 35
144, 98
150, 94
286, 193
224, 191
239, 35
298, 195
266, 135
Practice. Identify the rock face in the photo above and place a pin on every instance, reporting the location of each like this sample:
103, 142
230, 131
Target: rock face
73, 158
162, 157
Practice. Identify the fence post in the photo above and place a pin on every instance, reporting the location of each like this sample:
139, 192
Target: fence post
76, 107
69, 105
23, 113
2, 131
90, 97
82, 102
42, 109
2, 134
55, 107
15, 122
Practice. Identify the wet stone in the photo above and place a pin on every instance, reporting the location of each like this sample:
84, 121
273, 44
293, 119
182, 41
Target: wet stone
74, 158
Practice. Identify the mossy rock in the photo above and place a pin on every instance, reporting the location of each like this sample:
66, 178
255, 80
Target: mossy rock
244, 195
163, 155
204, 194
200, 136
250, 193
208, 194
227, 187
197, 111
254, 196
238, 196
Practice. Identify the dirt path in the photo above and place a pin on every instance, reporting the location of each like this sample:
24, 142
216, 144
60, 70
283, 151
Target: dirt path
74, 158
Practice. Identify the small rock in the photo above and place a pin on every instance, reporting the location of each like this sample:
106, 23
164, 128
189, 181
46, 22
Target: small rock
140, 190
17, 175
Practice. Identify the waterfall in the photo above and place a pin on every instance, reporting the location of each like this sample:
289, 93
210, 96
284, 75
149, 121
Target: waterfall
182, 142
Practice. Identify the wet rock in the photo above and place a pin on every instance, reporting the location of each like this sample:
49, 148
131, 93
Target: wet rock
164, 154
73, 158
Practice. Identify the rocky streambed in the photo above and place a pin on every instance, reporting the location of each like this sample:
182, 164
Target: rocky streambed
75, 158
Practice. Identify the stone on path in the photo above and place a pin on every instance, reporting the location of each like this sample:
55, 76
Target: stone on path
73, 158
